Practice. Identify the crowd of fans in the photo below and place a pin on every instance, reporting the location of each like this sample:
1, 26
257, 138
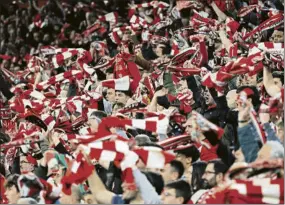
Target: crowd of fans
140, 101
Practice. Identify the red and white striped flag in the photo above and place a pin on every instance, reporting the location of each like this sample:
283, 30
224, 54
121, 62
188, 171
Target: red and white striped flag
118, 84
154, 158
111, 17
138, 20
156, 124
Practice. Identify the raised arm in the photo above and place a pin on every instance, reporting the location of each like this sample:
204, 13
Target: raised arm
147, 191
222, 16
247, 134
98, 189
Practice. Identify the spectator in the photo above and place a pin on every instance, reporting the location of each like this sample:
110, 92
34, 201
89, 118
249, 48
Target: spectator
178, 192
172, 171
12, 192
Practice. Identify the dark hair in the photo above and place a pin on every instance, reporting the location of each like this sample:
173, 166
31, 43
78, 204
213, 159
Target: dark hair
254, 97
219, 166
280, 75
109, 70
191, 151
71, 90
99, 114
197, 173
141, 139
12, 180
156, 181
127, 93
182, 189
178, 167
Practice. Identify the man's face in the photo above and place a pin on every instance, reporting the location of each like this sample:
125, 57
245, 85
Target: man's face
182, 85
46, 38
209, 177
277, 82
159, 50
121, 97
186, 161
111, 94
12, 194
277, 36
168, 174
264, 152
36, 36
25, 166
248, 80
208, 97
231, 99
93, 124
168, 196
188, 126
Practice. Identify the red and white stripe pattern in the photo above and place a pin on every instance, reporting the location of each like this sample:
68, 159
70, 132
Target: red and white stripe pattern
138, 20
198, 21
60, 77
155, 124
272, 22
111, 17
272, 48
118, 84
210, 81
37, 22
173, 142
58, 59
115, 37
91, 29
231, 27
154, 157
49, 120
149, 84
250, 191
246, 10
78, 171
174, 48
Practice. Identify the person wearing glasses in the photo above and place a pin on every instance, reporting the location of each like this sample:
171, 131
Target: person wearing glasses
212, 177
214, 173
177, 192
